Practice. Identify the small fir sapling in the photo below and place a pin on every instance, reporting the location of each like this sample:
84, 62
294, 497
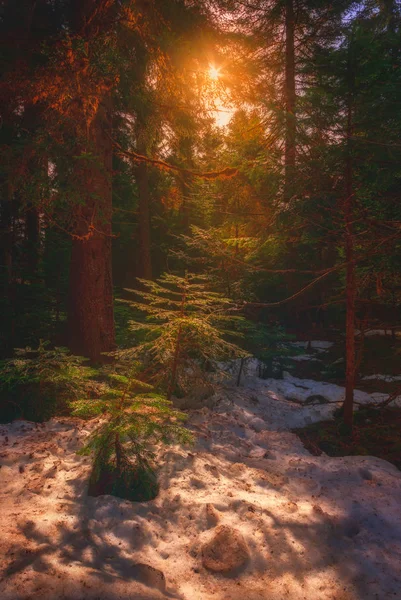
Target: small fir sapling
134, 420
185, 332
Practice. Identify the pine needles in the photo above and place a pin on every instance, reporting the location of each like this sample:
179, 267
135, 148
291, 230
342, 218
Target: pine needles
134, 420
186, 330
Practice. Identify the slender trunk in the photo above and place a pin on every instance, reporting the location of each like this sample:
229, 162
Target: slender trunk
290, 100
177, 351
174, 367
348, 406
90, 316
241, 368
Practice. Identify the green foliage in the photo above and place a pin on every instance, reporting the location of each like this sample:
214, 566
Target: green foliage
186, 330
33, 301
270, 345
38, 384
125, 338
134, 419
222, 256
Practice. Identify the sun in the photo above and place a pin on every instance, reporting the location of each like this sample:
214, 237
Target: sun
214, 72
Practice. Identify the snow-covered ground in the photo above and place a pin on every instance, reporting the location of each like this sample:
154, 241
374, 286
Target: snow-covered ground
315, 346
319, 345
379, 332
298, 527
379, 377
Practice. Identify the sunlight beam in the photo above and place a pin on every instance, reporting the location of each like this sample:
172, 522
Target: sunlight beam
214, 72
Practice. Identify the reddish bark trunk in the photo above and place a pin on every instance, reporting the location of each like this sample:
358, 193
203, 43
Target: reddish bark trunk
90, 317
90, 313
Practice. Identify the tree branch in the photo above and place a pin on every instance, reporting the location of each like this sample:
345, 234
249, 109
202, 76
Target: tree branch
165, 166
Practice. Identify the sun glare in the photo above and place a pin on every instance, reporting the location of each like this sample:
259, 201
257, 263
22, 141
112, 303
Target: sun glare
214, 72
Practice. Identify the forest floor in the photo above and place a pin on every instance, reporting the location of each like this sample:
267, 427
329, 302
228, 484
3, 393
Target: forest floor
247, 497
376, 432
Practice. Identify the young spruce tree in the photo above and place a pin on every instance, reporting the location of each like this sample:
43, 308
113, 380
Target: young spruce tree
186, 332
134, 420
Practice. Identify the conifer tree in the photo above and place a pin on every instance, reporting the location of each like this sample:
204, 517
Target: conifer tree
186, 331
134, 419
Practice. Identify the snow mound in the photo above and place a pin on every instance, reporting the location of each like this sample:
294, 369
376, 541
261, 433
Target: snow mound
378, 377
305, 357
378, 332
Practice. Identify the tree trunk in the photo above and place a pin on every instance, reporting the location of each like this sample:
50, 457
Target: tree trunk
290, 100
348, 406
90, 316
90, 311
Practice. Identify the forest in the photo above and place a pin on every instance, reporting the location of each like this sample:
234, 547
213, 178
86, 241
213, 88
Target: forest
200, 299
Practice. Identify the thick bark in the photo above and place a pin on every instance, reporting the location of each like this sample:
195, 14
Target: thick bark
90, 317
290, 100
90, 312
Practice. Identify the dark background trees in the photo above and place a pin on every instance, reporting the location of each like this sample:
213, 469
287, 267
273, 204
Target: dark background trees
108, 137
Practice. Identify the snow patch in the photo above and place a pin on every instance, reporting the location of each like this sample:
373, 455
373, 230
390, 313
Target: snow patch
378, 377
378, 332
313, 526
318, 345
